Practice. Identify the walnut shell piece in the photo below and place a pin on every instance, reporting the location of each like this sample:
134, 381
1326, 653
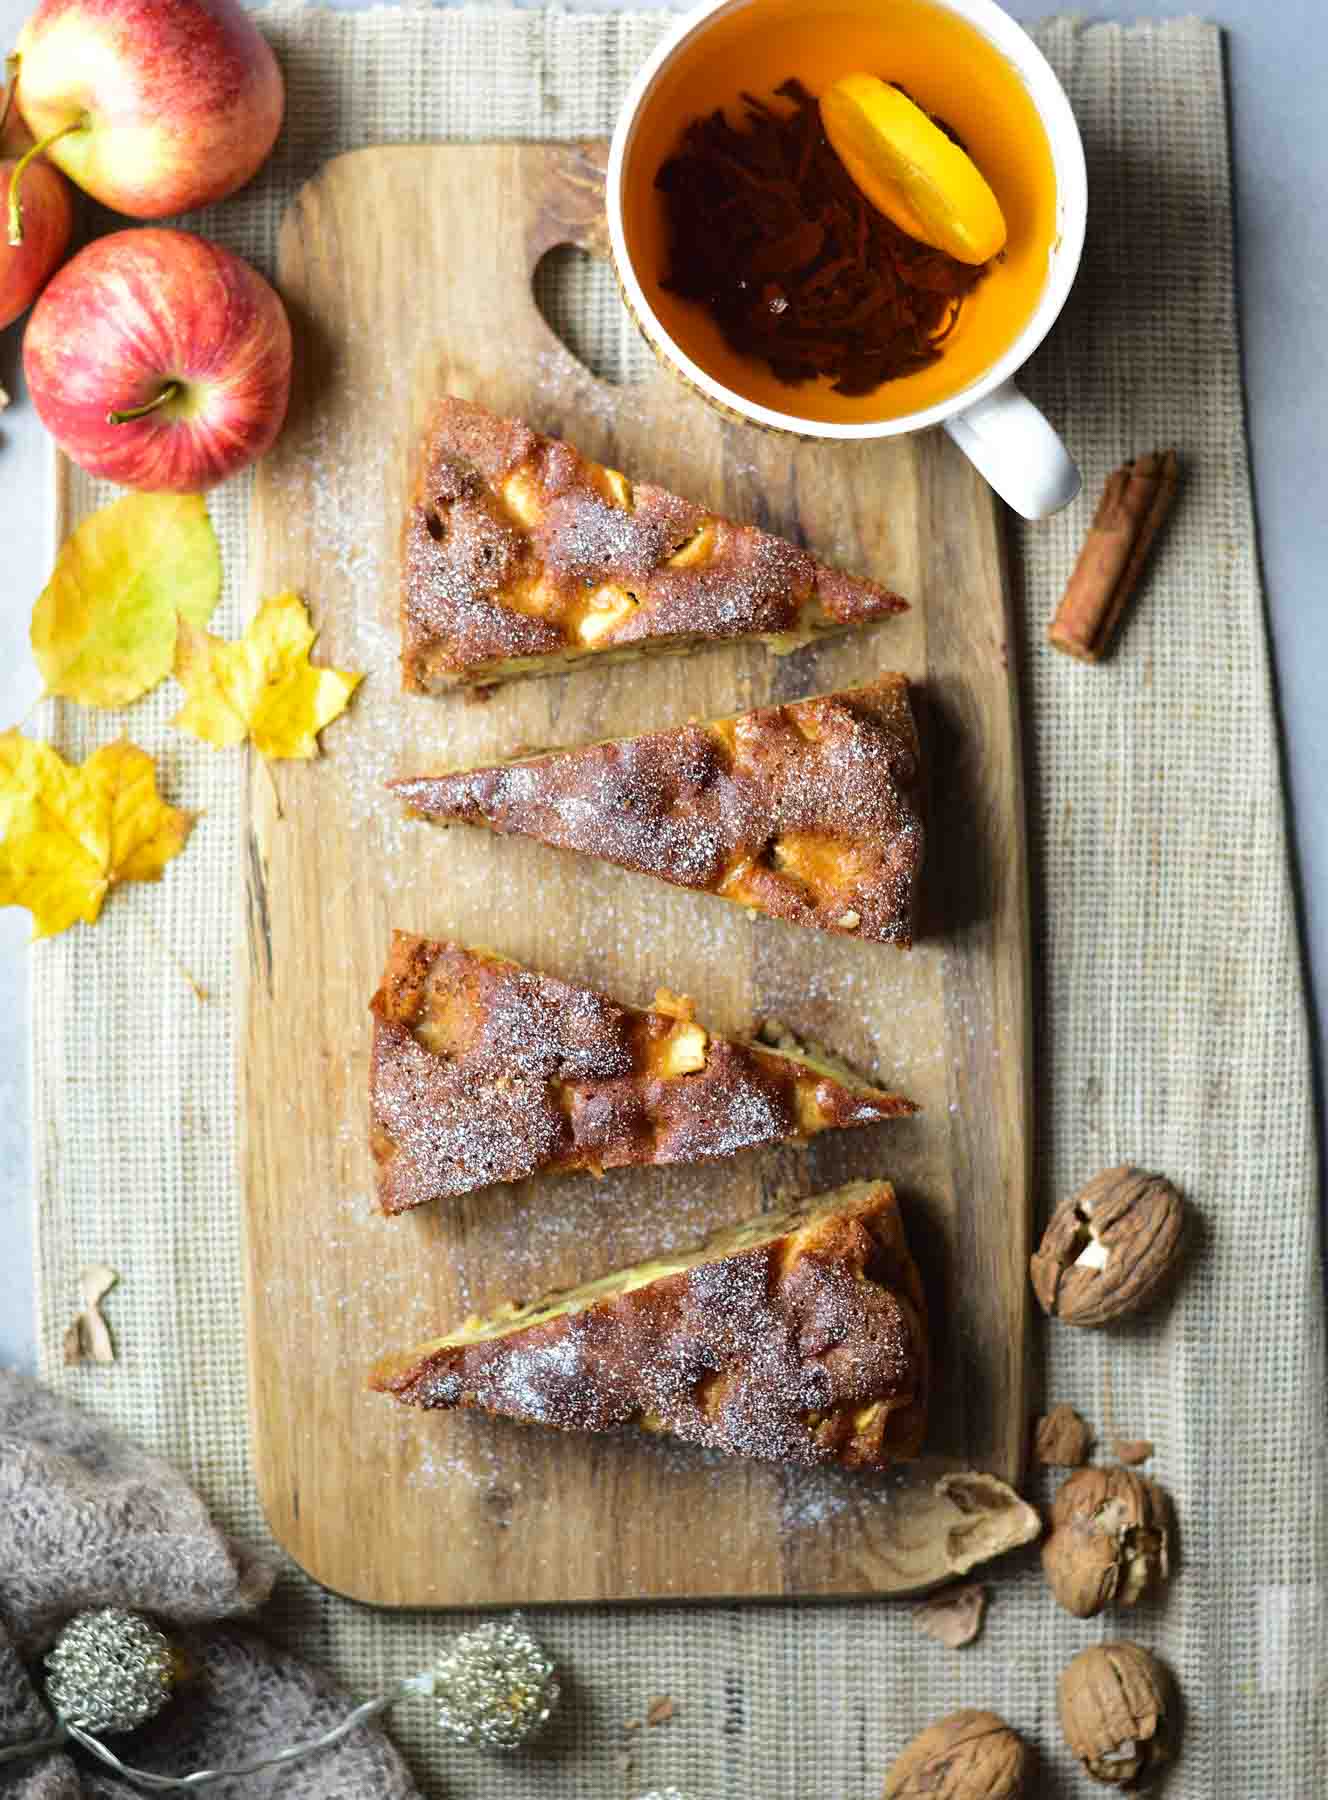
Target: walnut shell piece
985, 1518
1132, 1450
1114, 1701
954, 1616
968, 1755
1062, 1439
1110, 1249
1109, 1540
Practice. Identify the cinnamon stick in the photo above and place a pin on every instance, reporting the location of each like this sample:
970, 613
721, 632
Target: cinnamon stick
1134, 503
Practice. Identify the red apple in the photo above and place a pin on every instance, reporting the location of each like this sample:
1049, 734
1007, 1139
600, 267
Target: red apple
159, 360
24, 268
15, 137
165, 104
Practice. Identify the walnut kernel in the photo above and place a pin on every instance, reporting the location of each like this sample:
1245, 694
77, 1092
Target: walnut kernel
966, 1756
1109, 1540
1110, 1249
1113, 1701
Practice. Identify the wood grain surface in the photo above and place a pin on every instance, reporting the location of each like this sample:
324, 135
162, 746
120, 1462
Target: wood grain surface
407, 272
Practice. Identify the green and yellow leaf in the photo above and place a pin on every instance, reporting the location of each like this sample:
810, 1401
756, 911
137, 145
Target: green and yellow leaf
103, 629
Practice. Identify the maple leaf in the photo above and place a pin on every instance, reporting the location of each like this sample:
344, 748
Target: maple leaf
263, 686
70, 832
103, 629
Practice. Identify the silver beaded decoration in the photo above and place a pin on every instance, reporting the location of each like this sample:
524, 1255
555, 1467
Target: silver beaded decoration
495, 1686
109, 1671
663, 1794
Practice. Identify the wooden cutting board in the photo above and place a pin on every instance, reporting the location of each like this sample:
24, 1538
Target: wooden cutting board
408, 271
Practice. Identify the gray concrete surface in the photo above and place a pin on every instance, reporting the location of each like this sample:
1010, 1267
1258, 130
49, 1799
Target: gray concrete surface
1277, 58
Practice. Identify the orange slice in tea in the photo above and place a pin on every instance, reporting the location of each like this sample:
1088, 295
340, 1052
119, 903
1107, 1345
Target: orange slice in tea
910, 170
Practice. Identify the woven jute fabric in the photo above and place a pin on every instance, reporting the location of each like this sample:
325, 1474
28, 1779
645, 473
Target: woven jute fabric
1170, 1005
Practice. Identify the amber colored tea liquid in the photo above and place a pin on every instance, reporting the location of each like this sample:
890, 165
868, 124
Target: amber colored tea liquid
951, 70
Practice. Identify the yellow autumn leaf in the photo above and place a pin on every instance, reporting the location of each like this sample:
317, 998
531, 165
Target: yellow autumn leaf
263, 686
103, 630
22, 761
69, 833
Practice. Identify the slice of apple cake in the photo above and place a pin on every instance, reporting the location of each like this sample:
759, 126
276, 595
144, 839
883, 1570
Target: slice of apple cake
482, 1071
808, 812
798, 1337
520, 557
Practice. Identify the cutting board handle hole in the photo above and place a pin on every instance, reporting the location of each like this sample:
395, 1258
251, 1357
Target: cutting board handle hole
579, 301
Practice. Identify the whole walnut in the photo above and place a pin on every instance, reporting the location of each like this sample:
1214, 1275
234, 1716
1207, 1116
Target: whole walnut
1110, 1249
1114, 1702
1109, 1540
965, 1756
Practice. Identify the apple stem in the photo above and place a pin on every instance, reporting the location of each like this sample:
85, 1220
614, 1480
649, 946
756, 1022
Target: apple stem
20, 169
123, 417
11, 83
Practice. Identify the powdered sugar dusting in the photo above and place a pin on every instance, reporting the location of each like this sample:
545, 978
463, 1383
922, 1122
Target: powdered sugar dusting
811, 1499
347, 480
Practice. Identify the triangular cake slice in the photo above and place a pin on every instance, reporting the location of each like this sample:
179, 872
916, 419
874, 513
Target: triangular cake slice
483, 1071
798, 1337
808, 811
521, 556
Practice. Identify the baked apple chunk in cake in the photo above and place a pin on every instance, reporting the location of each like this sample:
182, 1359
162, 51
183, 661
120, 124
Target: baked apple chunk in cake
482, 1071
798, 1337
521, 556
808, 812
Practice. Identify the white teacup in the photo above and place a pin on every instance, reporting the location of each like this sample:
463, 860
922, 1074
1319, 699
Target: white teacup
998, 429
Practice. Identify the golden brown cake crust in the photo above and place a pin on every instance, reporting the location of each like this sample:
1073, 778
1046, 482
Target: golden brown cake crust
809, 1348
482, 1071
515, 540
808, 812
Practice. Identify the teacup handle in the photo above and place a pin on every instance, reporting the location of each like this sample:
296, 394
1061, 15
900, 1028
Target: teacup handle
1016, 452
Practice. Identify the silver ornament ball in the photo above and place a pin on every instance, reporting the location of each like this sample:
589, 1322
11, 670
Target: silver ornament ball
495, 1686
109, 1671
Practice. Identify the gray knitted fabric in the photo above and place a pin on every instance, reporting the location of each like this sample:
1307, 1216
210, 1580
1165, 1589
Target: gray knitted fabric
55, 1778
88, 1520
23, 1719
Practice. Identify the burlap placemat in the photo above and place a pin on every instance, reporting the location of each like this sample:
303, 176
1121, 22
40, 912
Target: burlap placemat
1171, 1007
